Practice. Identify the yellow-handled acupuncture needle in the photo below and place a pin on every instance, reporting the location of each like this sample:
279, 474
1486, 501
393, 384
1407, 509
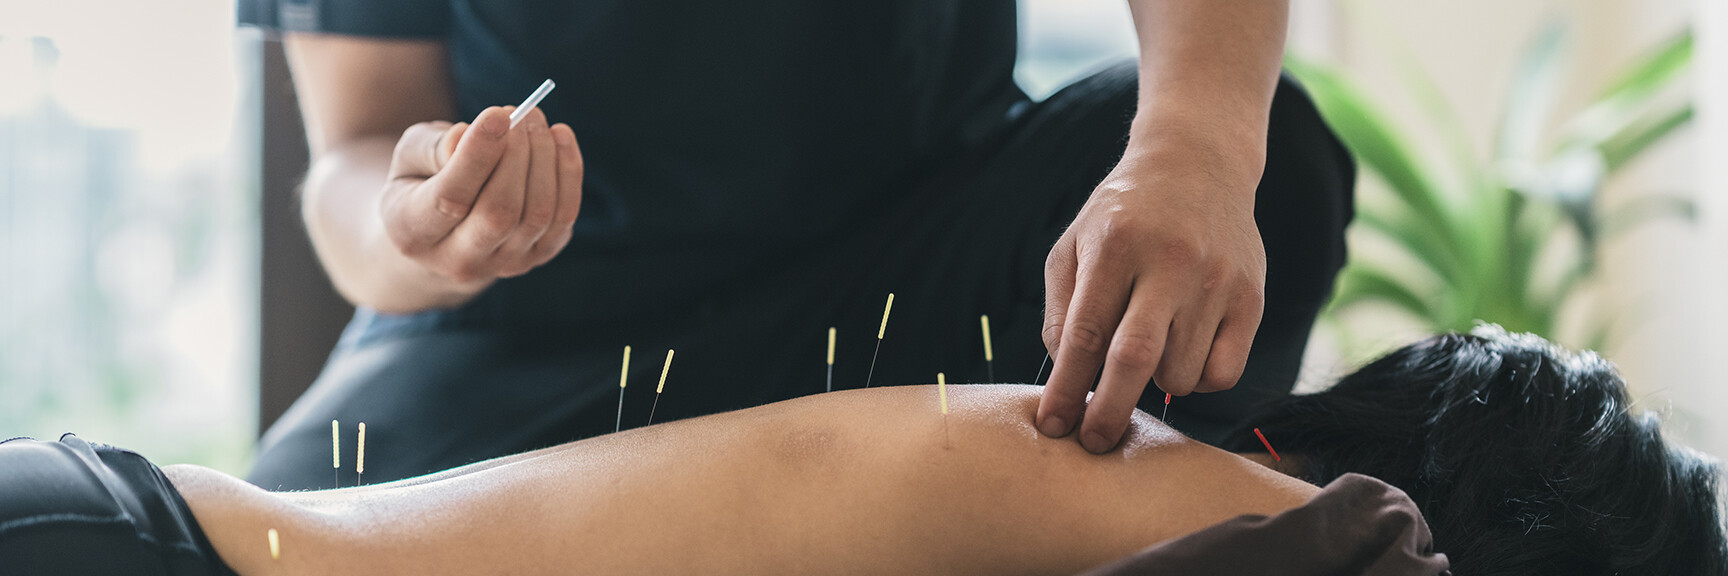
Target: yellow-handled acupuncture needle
879, 333
360, 458
942, 394
275, 545
942, 391
661, 387
623, 377
989, 355
336, 452
830, 358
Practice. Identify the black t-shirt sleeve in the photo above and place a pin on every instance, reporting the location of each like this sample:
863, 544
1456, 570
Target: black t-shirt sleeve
384, 18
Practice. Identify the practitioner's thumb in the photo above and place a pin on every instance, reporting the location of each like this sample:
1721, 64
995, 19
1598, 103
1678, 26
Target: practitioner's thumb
418, 151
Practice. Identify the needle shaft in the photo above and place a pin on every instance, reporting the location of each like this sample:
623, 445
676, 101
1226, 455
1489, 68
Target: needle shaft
873, 363
1041, 366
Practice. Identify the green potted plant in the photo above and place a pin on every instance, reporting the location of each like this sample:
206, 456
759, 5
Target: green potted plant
1473, 238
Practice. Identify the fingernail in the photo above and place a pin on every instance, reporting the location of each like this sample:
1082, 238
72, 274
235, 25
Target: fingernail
1054, 427
495, 125
1095, 443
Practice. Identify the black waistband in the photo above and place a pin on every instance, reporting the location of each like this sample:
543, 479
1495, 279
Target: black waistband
75, 507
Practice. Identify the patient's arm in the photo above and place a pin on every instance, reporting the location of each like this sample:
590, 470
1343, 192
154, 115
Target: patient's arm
866, 481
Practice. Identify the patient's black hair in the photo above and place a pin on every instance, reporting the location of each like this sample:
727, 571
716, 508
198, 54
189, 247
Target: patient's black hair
1524, 458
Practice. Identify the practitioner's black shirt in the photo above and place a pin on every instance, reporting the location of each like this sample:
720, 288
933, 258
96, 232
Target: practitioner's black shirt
716, 133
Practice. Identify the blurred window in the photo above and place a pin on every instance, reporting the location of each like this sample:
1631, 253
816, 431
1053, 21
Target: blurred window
1062, 40
128, 248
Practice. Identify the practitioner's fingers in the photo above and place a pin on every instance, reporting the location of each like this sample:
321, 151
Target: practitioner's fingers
1230, 347
1101, 291
1059, 269
407, 204
497, 212
569, 194
552, 242
458, 182
1136, 352
1190, 342
540, 203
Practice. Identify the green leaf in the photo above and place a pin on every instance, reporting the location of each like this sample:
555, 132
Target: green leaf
1620, 104
1421, 242
1524, 236
1625, 144
1535, 86
1361, 283
1377, 144
1663, 63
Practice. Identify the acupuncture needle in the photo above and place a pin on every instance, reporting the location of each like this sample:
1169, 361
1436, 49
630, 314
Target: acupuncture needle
532, 101
879, 333
360, 458
1268, 446
830, 358
661, 387
989, 355
942, 394
623, 377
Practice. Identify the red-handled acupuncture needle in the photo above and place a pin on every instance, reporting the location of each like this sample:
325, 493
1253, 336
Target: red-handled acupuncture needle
1268, 445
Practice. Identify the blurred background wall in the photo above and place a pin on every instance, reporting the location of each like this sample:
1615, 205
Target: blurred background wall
129, 196
128, 227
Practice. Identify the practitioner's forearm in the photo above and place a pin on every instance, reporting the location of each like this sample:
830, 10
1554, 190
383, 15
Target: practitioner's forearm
358, 96
1208, 69
341, 209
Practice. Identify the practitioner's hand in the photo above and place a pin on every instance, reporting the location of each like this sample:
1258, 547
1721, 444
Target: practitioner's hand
474, 203
1162, 275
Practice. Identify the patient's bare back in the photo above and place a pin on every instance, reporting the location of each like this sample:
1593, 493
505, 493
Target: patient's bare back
861, 481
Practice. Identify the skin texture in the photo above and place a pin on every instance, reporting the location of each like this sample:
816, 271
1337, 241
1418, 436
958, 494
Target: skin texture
407, 211
861, 481
1162, 274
